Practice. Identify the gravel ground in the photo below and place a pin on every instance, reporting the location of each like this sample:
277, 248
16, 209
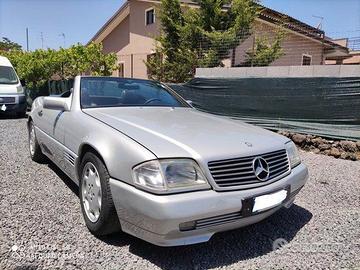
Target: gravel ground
41, 226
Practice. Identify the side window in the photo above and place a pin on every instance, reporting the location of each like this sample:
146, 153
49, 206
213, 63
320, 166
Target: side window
306, 60
149, 16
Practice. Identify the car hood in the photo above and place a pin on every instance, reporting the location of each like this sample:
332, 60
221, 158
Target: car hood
8, 88
187, 132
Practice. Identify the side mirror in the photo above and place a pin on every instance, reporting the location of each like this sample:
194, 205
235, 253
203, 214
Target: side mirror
189, 102
56, 103
23, 83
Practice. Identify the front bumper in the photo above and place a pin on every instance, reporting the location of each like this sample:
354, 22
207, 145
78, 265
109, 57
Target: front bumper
156, 218
18, 103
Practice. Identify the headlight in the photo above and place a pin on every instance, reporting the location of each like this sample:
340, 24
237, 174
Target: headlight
20, 89
293, 154
169, 175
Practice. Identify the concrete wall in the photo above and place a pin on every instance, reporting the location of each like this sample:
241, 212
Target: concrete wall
280, 72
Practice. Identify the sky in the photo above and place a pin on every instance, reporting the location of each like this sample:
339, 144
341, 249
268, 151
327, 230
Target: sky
79, 20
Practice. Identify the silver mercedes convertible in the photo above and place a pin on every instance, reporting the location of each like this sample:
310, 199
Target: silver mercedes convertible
149, 164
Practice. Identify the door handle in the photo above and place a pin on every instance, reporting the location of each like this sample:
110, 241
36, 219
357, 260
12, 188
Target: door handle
40, 113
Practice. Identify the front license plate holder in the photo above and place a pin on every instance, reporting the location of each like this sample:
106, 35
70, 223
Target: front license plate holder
264, 202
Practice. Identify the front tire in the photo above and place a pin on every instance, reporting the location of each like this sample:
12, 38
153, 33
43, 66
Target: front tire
34, 147
95, 197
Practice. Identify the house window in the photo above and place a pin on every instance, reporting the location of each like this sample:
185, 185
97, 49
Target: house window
121, 70
306, 60
149, 16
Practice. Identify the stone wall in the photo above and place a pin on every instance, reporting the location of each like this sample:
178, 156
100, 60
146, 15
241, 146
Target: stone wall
339, 149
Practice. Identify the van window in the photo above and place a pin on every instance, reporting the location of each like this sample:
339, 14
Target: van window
8, 75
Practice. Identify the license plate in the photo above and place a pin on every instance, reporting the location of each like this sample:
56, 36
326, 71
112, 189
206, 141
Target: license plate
268, 201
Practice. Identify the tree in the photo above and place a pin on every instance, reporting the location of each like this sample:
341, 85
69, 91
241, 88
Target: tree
173, 59
265, 51
80, 59
34, 67
224, 30
201, 37
8, 45
39, 66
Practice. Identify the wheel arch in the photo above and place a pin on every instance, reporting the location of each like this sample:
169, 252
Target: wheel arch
83, 149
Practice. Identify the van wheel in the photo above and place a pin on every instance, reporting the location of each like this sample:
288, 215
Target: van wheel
95, 197
21, 114
34, 147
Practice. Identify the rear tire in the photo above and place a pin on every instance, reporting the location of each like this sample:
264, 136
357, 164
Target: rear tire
34, 147
95, 197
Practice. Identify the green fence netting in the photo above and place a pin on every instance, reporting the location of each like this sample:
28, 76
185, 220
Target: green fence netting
328, 107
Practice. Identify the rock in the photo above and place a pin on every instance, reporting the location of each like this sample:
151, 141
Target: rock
308, 140
358, 145
284, 133
315, 151
335, 152
298, 138
310, 137
324, 146
307, 147
352, 156
349, 146
344, 155
317, 141
327, 152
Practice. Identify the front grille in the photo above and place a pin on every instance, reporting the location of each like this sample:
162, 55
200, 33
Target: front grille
7, 100
238, 172
217, 220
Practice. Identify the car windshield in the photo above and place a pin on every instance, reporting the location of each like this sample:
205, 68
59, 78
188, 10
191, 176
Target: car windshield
8, 75
119, 92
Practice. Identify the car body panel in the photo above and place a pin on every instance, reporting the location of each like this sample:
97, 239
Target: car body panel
187, 132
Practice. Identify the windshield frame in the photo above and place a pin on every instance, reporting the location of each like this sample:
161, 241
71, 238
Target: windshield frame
182, 102
14, 72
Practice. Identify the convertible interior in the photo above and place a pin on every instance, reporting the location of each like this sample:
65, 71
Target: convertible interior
124, 94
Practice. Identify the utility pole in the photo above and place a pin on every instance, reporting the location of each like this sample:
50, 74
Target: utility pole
63, 35
42, 40
27, 39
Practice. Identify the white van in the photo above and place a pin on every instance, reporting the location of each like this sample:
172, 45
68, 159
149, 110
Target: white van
12, 96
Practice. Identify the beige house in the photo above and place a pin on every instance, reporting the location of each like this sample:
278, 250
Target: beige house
131, 30
354, 52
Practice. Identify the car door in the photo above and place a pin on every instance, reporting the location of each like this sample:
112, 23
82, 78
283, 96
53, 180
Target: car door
64, 127
52, 137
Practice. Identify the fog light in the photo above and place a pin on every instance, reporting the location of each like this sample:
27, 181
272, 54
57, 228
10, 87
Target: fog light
187, 226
